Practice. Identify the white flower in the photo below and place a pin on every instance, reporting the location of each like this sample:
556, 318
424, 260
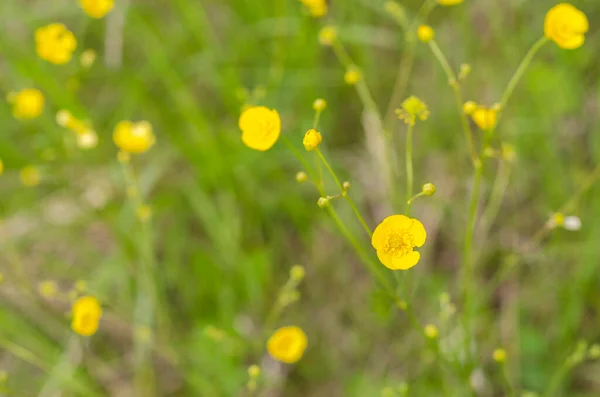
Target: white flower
572, 223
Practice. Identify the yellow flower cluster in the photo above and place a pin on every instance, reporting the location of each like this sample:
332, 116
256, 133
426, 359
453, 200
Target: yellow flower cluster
317, 8
134, 137
260, 127
566, 26
394, 240
86, 315
411, 109
27, 104
97, 8
55, 43
287, 344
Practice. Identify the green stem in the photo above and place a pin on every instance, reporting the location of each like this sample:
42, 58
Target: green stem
409, 168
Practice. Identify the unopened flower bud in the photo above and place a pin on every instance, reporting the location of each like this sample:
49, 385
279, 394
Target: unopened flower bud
301, 177
319, 105
431, 331
323, 202
428, 189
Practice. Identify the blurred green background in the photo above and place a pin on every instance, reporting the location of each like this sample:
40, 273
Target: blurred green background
229, 222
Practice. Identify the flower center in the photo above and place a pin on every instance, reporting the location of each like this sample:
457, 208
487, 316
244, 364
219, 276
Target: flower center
399, 243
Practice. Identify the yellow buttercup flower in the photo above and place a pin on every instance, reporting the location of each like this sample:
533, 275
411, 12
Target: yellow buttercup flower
352, 75
55, 43
425, 33
327, 35
287, 344
485, 118
86, 315
97, 8
566, 26
27, 104
317, 8
30, 176
134, 137
395, 239
449, 2
411, 109
260, 127
312, 139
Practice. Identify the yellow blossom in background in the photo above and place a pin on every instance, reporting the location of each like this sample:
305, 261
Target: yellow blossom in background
55, 43
499, 355
327, 35
287, 344
485, 118
134, 137
317, 8
260, 127
566, 26
319, 105
352, 75
87, 58
301, 177
312, 140
97, 8
48, 289
30, 176
431, 331
87, 140
27, 104
425, 33
449, 2
411, 109
1, 166
297, 273
469, 107
144, 212
86, 315
394, 240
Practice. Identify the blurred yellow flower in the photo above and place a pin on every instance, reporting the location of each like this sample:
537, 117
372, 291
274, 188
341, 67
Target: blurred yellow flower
395, 238
260, 127
86, 315
469, 107
1, 167
287, 344
352, 75
87, 140
566, 26
97, 8
48, 289
144, 212
449, 2
87, 58
411, 109
312, 140
30, 176
431, 331
499, 355
319, 105
425, 33
485, 118
27, 104
55, 43
134, 137
327, 35
317, 8
297, 273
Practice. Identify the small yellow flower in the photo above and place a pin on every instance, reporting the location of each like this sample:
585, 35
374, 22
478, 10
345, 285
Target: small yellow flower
317, 8
499, 355
87, 58
55, 43
353, 75
327, 35
425, 33
260, 127
254, 371
413, 108
27, 104
301, 177
431, 331
312, 140
30, 176
86, 315
566, 26
144, 212
134, 137
557, 219
97, 8
297, 273
48, 289
287, 344
319, 105
394, 240
1, 167
485, 118
469, 107
449, 2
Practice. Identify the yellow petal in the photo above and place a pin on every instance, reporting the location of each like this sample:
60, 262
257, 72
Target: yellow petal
386, 259
407, 261
418, 231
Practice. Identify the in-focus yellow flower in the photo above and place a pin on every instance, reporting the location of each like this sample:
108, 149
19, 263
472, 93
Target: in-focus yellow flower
97, 8
449, 2
287, 344
317, 8
327, 35
566, 26
260, 127
27, 104
30, 176
312, 140
425, 33
352, 75
134, 137
55, 43
395, 239
411, 109
485, 118
86, 315
87, 58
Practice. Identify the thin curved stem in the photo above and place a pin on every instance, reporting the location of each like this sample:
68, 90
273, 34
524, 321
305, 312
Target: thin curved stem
409, 168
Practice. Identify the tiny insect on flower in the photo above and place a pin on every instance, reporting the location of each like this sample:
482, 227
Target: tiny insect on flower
449, 2
287, 344
485, 118
134, 137
55, 43
30, 176
312, 140
319, 105
97, 8
425, 33
328, 35
352, 75
86, 313
499, 355
317, 8
260, 127
394, 240
566, 26
27, 104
